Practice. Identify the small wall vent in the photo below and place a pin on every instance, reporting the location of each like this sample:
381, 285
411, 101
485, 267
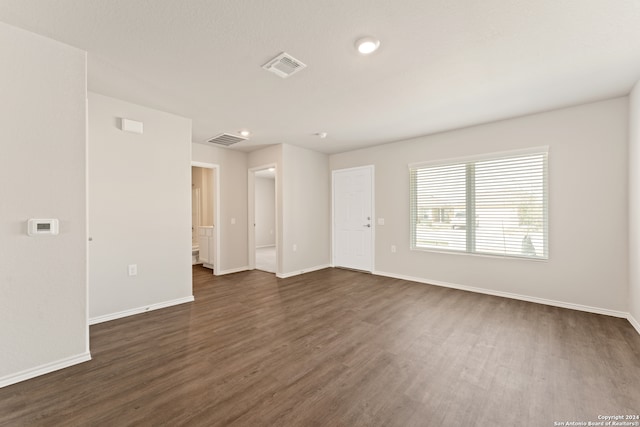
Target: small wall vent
284, 65
226, 139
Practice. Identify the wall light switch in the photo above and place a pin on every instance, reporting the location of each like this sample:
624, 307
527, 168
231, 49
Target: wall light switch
133, 269
233, 221
128, 125
380, 221
393, 249
295, 247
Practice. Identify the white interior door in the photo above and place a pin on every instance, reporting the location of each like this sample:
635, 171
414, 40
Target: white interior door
353, 218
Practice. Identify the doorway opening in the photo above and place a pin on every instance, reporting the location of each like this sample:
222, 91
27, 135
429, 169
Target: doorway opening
205, 210
263, 233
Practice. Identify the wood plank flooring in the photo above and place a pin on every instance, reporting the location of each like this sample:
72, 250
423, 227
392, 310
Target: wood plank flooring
340, 348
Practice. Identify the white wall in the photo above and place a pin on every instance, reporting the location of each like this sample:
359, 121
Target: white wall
43, 289
303, 206
233, 203
634, 206
306, 208
588, 262
139, 209
265, 211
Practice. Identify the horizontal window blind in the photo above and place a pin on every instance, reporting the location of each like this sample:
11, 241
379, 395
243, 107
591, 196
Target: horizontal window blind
489, 206
438, 194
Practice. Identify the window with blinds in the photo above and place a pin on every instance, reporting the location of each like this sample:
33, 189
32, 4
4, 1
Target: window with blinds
495, 205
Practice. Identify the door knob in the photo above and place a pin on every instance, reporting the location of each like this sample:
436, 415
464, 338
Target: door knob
367, 225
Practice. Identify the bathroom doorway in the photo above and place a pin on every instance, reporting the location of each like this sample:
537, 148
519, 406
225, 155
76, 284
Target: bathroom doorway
263, 236
205, 208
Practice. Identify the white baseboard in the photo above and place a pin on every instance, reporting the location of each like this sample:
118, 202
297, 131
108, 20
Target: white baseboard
44, 369
138, 310
232, 270
306, 270
527, 298
634, 323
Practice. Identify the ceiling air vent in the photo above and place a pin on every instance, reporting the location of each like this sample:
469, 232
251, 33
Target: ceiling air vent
284, 65
226, 139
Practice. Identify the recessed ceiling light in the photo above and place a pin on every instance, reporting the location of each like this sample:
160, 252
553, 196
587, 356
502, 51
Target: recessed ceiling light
367, 45
245, 133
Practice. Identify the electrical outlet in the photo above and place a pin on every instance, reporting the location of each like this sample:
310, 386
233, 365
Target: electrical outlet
393, 249
233, 221
295, 247
133, 269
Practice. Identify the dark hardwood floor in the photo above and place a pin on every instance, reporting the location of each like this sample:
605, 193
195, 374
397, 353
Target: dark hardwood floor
340, 348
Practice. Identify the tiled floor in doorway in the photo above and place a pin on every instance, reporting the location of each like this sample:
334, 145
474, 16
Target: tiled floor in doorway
266, 259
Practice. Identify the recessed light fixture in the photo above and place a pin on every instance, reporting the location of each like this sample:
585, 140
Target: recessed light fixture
245, 133
367, 45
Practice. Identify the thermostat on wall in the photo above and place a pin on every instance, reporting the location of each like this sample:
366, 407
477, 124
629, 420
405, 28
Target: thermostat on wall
37, 227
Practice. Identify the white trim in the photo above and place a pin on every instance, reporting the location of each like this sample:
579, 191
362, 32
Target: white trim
562, 304
634, 322
299, 272
138, 310
203, 165
265, 246
87, 231
44, 369
479, 254
233, 270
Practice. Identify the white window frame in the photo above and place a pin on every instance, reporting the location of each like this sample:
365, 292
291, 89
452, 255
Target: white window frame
470, 202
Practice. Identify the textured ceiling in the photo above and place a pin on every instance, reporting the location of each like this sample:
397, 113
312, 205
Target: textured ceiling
442, 64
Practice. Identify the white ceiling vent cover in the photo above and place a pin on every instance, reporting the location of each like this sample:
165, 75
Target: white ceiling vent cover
226, 139
284, 65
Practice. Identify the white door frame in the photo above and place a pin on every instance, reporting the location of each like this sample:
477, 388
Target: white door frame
216, 200
251, 203
373, 209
